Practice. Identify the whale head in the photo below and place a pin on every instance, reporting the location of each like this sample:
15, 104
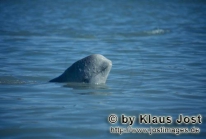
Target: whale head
92, 69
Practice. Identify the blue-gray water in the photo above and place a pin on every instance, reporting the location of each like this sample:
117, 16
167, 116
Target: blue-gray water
158, 51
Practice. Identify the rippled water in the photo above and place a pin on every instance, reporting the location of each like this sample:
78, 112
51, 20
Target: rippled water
158, 52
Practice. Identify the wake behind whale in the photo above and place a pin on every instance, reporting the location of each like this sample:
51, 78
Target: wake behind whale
93, 69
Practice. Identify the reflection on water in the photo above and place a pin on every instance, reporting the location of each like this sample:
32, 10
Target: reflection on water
85, 86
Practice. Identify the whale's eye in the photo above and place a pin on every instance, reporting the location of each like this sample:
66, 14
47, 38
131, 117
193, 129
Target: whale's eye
85, 80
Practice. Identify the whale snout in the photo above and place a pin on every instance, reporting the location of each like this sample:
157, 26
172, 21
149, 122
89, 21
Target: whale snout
106, 64
109, 63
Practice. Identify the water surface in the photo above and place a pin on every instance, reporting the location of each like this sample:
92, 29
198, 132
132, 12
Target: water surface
158, 53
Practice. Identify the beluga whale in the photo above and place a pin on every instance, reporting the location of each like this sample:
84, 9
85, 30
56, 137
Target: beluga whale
93, 69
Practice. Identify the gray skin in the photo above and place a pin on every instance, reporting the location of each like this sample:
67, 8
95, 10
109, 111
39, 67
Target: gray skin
93, 69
